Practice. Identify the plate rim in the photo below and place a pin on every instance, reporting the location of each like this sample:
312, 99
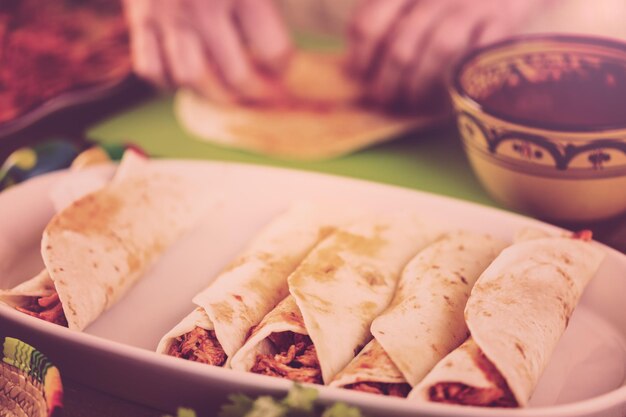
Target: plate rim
579, 408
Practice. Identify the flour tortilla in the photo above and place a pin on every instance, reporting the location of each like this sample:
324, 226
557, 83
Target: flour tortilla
97, 248
517, 312
341, 286
326, 118
285, 317
372, 364
254, 283
425, 319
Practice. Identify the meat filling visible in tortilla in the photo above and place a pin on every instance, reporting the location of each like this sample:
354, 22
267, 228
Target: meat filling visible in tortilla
199, 345
48, 308
296, 359
382, 388
498, 395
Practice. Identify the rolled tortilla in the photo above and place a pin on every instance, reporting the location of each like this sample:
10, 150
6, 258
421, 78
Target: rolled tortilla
251, 286
336, 292
425, 319
373, 371
97, 248
517, 312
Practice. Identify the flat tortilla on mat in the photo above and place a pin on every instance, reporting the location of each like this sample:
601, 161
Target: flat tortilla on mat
337, 291
424, 322
324, 118
256, 281
516, 314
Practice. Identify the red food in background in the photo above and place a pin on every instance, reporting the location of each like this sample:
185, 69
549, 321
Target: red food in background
54, 46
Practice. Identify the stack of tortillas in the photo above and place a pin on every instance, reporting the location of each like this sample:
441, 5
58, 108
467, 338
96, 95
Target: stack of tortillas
327, 118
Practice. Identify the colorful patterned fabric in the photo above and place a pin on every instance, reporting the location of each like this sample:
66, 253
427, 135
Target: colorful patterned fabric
29, 384
26, 163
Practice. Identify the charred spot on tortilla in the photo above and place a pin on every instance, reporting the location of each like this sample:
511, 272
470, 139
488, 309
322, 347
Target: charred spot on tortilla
361, 245
296, 359
520, 349
382, 388
326, 231
372, 278
324, 269
224, 310
89, 222
368, 307
199, 345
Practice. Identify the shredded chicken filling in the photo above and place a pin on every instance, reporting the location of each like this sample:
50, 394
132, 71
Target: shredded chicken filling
296, 359
498, 395
48, 308
382, 388
199, 345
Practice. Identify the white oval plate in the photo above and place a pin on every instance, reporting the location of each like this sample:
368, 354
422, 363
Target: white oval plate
586, 375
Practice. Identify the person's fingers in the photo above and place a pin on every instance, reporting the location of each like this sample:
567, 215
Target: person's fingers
450, 39
403, 47
146, 53
265, 33
224, 47
369, 26
189, 67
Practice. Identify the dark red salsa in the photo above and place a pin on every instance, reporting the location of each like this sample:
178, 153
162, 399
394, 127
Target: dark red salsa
48, 47
588, 97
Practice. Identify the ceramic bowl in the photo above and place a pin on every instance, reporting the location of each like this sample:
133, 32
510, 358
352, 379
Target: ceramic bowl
572, 170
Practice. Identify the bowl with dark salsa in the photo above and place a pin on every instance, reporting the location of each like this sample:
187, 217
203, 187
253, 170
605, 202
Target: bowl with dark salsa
543, 122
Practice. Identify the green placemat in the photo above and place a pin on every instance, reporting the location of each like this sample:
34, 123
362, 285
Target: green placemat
431, 161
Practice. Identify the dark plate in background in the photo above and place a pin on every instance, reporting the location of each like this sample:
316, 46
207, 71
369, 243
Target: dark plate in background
68, 114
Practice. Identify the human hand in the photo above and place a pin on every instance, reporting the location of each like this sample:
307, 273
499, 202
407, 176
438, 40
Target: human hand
224, 49
405, 49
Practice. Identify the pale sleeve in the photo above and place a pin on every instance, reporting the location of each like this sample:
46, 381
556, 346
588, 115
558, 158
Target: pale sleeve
319, 17
598, 17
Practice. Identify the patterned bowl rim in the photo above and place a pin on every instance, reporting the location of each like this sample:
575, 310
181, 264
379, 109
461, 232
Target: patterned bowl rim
582, 40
